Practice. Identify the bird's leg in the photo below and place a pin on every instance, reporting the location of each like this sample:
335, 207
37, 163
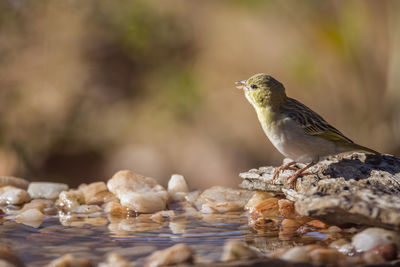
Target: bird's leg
281, 168
299, 173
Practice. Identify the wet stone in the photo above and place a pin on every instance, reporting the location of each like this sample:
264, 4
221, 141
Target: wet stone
14, 181
30, 217
46, 190
180, 253
139, 193
218, 199
10, 195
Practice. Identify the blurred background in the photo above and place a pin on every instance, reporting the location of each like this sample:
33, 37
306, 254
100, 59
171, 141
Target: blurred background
91, 87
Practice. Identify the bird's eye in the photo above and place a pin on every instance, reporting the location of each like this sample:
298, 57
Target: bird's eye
253, 86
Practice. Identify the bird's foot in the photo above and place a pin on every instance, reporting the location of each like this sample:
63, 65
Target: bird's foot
298, 174
282, 168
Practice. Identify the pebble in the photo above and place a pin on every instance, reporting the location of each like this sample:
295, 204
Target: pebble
286, 208
386, 251
180, 253
177, 187
219, 199
14, 181
70, 260
30, 217
46, 190
163, 215
39, 204
115, 208
86, 209
236, 250
91, 190
8, 258
373, 237
115, 260
257, 198
326, 256
343, 246
10, 195
139, 193
317, 224
296, 254
267, 208
69, 200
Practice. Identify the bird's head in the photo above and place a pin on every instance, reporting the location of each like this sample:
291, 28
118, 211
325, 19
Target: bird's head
261, 90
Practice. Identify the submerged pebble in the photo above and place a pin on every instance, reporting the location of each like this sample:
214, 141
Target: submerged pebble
115, 260
236, 250
218, 199
180, 253
137, 192
30, 217
70, 260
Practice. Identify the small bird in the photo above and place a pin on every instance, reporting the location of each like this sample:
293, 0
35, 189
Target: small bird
294, 129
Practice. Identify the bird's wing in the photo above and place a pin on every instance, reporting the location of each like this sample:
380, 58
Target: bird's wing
312, 123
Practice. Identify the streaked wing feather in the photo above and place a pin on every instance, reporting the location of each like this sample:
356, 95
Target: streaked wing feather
311, 122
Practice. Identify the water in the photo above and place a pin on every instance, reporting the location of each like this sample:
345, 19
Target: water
135, 238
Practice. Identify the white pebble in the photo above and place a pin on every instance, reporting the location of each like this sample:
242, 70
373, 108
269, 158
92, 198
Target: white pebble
46, 190
10, 195
177, 187
137, 192
372, 237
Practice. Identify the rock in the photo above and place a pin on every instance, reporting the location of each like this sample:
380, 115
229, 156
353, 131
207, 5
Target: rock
31, 217
326, 256
317, 224
70, 260
218, 199
257, 198
91, 190
373, 237
296, 254
86, 209
10, 195
267, 208
347, 188
163, 215
69, 200
8, 258
14, 181
43, 205
177, 187
387, 251
343, 246
286, 208
115, 260
115, 208
139, 193
46, 190
236, 250
180, 253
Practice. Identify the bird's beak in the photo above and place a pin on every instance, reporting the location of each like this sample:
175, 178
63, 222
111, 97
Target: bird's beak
241, 84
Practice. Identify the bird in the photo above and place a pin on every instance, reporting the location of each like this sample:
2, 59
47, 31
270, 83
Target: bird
295, 130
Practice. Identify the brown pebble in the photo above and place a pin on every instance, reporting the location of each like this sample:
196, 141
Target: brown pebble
387, 251
326, 256
317, 224
268, 207
286, 208
290, 224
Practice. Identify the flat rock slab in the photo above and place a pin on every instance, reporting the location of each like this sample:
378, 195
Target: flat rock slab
352, 188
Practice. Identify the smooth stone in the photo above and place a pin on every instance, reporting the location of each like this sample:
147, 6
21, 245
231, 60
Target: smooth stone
14, 181
373, 237
177, 187
179, 253
46, 190
139, 193
10, 195
30, 217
